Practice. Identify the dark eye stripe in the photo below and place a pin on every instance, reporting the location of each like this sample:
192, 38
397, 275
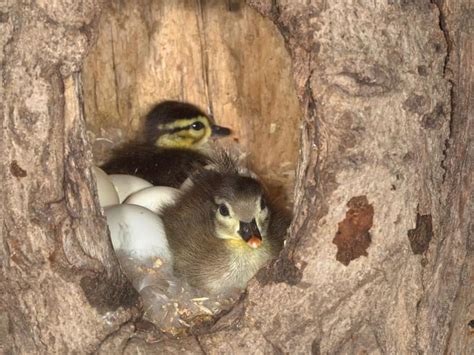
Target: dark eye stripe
178, 129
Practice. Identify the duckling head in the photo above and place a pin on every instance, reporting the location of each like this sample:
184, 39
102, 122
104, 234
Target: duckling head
174, 124
241, 213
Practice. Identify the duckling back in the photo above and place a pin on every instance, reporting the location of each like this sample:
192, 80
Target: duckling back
159, 166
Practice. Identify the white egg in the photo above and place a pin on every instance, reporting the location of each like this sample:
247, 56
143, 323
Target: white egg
105, 188
154, 198
137, 232
128, 184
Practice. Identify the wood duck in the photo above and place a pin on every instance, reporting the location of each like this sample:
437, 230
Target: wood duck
176, 142
222, 229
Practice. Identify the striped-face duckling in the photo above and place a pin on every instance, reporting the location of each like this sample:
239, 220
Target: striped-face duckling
174, 142
173, 124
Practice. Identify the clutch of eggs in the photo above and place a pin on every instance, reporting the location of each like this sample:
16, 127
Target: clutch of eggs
126, 185
131, 206
119, 188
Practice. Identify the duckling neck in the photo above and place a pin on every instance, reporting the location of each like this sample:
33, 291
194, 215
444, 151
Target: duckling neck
246, 261
242, 262
237, 244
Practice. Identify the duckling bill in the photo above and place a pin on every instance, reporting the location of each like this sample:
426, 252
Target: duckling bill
175, 138
222, 231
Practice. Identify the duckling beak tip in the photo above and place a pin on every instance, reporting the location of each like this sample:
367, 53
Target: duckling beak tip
254, 242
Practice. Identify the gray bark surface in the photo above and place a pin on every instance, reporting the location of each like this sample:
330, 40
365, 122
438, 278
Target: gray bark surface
388, 102
61, 289
379, 257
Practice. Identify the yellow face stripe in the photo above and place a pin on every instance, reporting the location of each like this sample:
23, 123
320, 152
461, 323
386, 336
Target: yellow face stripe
182, 135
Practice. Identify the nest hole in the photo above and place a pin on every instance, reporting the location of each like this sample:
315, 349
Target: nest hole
222, 56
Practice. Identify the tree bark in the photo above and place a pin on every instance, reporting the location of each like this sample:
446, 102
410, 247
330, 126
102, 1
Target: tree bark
448, 303
379, 257
387, 92
61, 287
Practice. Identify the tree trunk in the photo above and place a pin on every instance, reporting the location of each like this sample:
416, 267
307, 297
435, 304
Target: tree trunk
379, 257
389, 109
61, 287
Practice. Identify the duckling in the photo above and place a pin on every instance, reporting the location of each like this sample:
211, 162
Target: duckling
176, 142
222, 230
174, 124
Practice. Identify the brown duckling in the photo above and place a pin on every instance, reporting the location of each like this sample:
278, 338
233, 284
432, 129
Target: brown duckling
222, 229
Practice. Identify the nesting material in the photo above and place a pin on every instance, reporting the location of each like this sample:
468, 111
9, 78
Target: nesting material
169, 302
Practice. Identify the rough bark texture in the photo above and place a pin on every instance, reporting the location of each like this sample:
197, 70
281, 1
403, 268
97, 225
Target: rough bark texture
448, 303
374, 78
386, 153
60, 285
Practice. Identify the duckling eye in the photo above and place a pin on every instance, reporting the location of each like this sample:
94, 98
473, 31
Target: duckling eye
263, 204
197, 126
223, 210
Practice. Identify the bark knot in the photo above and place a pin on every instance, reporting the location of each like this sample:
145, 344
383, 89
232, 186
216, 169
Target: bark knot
434, 119
420, 237
353, 237
364, 80
17, 170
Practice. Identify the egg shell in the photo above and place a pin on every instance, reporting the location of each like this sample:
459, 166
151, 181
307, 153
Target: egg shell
108, 195
138, 233
154, 198
128, 184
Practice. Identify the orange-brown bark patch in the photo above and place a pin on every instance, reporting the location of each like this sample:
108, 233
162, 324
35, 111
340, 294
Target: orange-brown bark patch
353, 237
